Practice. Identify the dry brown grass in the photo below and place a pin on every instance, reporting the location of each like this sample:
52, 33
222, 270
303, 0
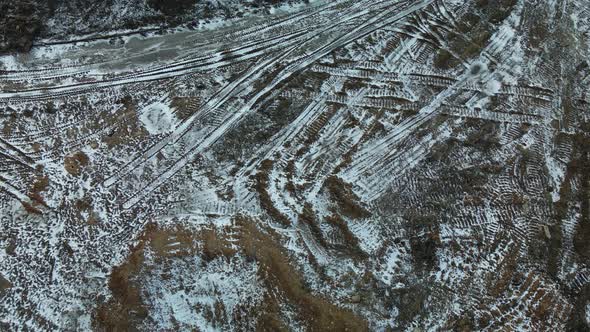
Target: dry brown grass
473, 35
307, 217
74, 163
342, 194
4, 284
215, 245
314, 134
182, 106
285, 285
126, 309
277, 273
577, 170
9, 125
351, 243
502, 279
124, 127
41, 183
30, 208
36, 199
262, 178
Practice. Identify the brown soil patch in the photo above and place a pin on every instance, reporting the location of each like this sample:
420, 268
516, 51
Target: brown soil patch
4, 284
126, 309
351, 243
74, 163
262, 179
284, 283
123, 127
278, 274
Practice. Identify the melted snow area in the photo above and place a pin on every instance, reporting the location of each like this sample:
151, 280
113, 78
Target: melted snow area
407, 165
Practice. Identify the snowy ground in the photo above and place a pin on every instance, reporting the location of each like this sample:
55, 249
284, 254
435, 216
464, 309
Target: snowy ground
338, 164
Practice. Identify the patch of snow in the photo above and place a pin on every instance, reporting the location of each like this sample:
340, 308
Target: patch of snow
392, 262
492, 87
158, 118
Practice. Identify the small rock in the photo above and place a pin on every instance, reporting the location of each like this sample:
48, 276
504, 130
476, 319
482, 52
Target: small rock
355, 299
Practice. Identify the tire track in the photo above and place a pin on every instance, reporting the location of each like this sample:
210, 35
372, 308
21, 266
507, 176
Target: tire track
370, 25
242, 83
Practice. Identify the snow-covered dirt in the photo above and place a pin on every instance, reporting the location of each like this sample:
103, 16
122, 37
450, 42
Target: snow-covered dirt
322, 166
